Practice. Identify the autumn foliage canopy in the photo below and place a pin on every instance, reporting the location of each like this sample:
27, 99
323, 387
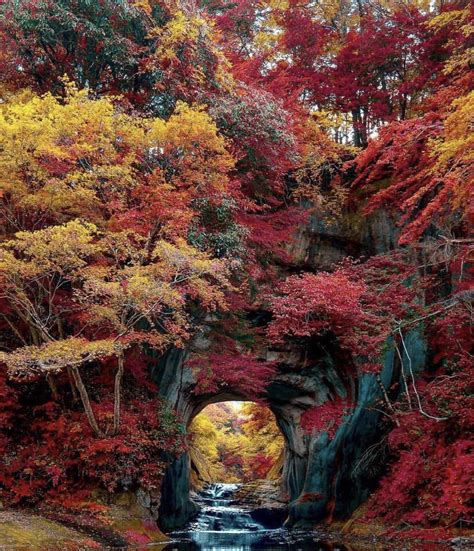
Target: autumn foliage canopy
158, 163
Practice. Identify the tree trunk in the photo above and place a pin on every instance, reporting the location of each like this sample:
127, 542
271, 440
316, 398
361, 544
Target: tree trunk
117, 393
52, 387
358, 126
72, 385
387, 399
86, 402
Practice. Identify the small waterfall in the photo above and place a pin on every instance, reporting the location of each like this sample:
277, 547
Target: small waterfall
219, 512
223, 525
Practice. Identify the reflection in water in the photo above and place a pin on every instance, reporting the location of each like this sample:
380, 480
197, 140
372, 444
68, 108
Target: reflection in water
223, 526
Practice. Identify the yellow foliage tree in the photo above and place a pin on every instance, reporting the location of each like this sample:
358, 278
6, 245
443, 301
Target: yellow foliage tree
95, 206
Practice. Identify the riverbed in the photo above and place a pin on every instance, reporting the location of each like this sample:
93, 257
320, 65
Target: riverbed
223, 524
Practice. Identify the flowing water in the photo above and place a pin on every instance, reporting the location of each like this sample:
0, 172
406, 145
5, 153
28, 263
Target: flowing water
223, 525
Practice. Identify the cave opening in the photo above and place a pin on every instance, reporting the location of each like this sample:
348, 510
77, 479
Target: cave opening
314, 469
235, 442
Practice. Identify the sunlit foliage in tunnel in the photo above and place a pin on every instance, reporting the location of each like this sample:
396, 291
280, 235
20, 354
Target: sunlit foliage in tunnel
237, 442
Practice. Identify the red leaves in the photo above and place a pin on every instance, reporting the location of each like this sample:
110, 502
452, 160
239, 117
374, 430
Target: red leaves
357, 303
388, 48
326, 417
261, 465
57, 455
400, 156
430, 478
239, 372
431, 466
314, 303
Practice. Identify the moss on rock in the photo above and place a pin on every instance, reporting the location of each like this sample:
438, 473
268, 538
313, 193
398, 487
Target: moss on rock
24, 531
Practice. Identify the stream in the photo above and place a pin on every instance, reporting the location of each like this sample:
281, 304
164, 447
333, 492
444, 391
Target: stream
223, 525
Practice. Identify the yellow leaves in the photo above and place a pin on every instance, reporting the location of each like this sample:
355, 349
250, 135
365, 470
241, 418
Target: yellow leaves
183, 264
448, 17
191, 126
459, 125
180, 29
61, 249
143, 5
236, 435
463, 54
204, 436
148, 292
261, 428
12, 268
186, 262
54, 151
322, 156
136, 290
197, 155
75, 165
181, 259
395, 5
457, 145
82, 157
187, 54
330, 10
57, 355
54, 250
454, 152
44, 126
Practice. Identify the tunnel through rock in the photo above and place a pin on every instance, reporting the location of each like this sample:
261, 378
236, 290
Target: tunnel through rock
290, 394
318, 477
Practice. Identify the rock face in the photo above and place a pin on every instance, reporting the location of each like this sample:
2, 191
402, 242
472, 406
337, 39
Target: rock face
322, 478
265, 502
319, 478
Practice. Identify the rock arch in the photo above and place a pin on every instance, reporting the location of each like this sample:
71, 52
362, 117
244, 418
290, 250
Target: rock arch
319, 474
300, 384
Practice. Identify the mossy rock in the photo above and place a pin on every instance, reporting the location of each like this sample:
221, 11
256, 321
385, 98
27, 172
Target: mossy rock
122, 522
132, 521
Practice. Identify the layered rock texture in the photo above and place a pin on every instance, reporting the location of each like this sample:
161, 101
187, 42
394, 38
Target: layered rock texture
323, 478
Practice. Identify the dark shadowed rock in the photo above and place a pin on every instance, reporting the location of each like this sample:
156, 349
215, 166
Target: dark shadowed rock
318, 475
270, 517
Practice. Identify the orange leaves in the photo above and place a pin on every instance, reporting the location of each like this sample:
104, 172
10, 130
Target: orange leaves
63, 158
110, 198
82, 157
453, 153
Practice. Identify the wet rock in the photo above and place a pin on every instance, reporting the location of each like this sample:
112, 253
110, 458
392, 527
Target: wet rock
201, 471
270, 517
130, 515
462, 543
316, 470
